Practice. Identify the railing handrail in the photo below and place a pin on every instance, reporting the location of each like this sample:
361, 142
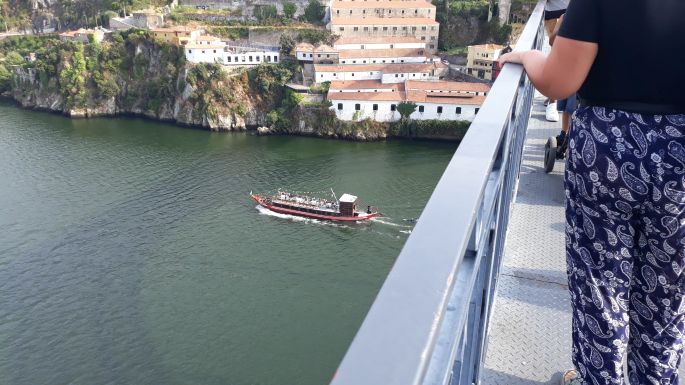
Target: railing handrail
397, 339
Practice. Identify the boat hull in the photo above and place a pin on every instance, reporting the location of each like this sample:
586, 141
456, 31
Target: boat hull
283, 210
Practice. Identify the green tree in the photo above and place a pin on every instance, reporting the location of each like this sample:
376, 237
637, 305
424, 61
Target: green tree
265, 12
406, 109
289, 9
287, 44
314, 12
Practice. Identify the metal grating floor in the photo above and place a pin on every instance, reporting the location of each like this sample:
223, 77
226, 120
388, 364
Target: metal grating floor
530, 331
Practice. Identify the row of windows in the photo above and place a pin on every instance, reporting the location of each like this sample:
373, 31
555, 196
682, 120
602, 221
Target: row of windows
229, 59
386, 28
393, 107
371, 73
416, 11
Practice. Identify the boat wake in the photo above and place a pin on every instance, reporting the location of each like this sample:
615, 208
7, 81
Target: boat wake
379, 220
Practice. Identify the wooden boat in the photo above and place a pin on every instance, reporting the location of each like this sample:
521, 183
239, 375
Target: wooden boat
343, 209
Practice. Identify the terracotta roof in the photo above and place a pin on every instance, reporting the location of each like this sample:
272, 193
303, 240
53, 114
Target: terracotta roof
367, 96
488, 46
176, 29
389, 68
395, 52
429, 97
304, 47
364, 85
324, 48
80, 31
428, 85
378, 40
207, 38
410, 96
407, 4
413, 21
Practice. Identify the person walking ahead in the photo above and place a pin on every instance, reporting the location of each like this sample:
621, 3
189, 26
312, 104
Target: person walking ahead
625, 184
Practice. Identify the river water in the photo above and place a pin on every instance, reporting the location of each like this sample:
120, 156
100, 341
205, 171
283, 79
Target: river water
130, 252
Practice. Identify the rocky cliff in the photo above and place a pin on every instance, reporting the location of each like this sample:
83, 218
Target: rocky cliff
136, 75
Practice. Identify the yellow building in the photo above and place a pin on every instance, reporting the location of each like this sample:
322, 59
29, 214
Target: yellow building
177, 35
481, 58
385, 18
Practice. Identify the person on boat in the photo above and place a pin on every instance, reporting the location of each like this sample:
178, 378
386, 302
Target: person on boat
625, 192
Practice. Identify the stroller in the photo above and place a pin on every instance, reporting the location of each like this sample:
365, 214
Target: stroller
555, 148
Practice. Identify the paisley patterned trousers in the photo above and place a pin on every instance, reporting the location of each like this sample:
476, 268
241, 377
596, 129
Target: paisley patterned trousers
625, 245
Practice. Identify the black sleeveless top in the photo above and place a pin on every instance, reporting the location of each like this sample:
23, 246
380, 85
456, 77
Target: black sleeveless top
641, 57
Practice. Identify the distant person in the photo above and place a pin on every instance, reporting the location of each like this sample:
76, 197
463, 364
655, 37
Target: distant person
564, 106
625, 185
554, 11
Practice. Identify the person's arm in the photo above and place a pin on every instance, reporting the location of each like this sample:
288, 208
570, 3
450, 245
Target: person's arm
562, 72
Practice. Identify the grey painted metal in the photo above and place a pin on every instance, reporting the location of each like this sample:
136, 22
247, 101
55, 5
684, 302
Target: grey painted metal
431, 315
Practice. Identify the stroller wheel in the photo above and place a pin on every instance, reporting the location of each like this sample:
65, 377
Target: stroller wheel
550, 154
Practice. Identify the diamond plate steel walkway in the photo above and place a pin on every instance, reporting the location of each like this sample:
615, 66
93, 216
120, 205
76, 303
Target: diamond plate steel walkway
530, 331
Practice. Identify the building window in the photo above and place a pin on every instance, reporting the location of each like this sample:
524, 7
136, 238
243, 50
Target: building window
214, 51
352, 73
366, 28
432, 46
397, 75
402, 61
340, 106
250, 58
477, 109
342, 29
403, 11
203, 51
393, 107
190, 51
328, 55
257, 58
334, 74
420, 108
318, 55
413, 28
458, 110
375, 28
356, 28
228, 59
357, 107
404, 28
375, 107
423, 38
394, 28
370, 73
423, 28
354, 62
439, 109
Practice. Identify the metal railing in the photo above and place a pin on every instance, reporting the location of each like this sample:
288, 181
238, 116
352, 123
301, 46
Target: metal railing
429, 322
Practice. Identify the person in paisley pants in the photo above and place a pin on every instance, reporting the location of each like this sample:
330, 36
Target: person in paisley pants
625, 185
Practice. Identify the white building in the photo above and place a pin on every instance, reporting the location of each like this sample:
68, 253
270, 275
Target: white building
359, 100
249, 57
214, 51
385, 72
390, 42
204, 53
387, 55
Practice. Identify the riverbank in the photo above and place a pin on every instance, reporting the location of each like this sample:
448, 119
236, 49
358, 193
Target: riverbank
132, 74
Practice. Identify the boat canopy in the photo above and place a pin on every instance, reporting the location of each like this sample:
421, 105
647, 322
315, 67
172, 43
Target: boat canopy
347, 198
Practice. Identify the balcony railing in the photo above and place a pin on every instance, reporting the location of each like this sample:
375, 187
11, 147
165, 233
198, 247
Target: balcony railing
429, 322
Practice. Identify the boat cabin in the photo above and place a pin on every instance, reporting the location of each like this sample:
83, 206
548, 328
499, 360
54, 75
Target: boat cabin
348, 205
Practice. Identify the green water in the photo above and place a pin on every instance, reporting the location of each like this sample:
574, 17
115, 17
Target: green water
130, 252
